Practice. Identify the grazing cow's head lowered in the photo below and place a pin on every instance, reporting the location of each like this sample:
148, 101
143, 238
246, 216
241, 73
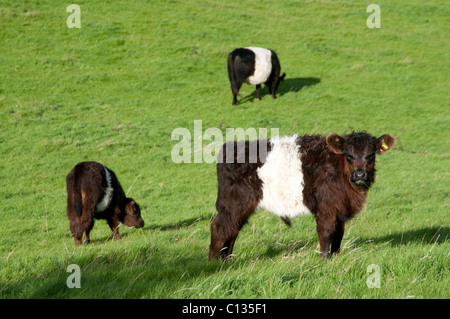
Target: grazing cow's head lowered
132, 215
359, 150
94, 192
328, 177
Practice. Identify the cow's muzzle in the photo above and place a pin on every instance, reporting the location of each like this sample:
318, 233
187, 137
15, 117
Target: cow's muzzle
360, 177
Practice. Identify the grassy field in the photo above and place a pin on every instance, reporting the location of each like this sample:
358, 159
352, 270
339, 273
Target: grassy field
114, 90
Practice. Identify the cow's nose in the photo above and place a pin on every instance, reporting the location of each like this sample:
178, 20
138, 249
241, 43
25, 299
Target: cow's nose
359, 174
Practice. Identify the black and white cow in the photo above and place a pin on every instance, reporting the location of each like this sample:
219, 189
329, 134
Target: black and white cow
254, 66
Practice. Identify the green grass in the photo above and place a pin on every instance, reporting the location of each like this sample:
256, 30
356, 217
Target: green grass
114, 90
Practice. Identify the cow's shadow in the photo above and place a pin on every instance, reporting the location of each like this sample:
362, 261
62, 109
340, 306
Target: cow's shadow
295, 85
426, 236
125, 231
286, 86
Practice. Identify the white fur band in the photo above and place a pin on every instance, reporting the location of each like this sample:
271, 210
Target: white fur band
263, 66
106, 200
282, 178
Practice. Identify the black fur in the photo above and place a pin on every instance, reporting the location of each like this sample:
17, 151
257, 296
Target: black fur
241, 65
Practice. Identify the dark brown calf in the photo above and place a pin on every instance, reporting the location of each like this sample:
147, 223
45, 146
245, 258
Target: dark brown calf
93, 191
328, 177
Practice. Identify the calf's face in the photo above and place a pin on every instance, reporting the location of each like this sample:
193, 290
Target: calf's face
132, 216
359, 151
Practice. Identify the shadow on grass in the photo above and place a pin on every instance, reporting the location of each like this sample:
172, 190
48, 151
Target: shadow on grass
295, 85
125, 231
426, 236
187, 223
286, 86
109, 276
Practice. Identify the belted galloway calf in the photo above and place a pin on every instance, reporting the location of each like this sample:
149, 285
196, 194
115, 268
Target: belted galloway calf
93, 191
328, 177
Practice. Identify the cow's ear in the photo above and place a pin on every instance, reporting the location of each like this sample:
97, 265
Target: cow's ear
335, 143
385, 143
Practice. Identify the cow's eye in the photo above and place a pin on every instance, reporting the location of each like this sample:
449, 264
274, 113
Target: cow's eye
370, 158
349, 157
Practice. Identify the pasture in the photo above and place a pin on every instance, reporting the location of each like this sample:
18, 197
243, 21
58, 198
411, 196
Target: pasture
114, 90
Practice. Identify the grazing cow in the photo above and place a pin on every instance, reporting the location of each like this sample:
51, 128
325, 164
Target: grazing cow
328, 177
93, 191
254, 66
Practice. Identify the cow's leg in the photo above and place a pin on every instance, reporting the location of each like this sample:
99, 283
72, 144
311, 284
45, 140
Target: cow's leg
269, 87
76, 229
87, 216
337, 237
258, 91
239, 81
235, 91
224, 231
234, 99
74, 220
84, 223
273, 86
88, 229
113, 223
325, 230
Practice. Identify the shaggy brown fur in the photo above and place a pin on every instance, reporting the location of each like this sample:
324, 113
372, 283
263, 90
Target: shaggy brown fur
86, 187
337, 170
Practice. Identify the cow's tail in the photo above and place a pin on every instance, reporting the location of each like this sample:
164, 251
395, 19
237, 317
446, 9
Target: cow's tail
78, 204
232, 75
